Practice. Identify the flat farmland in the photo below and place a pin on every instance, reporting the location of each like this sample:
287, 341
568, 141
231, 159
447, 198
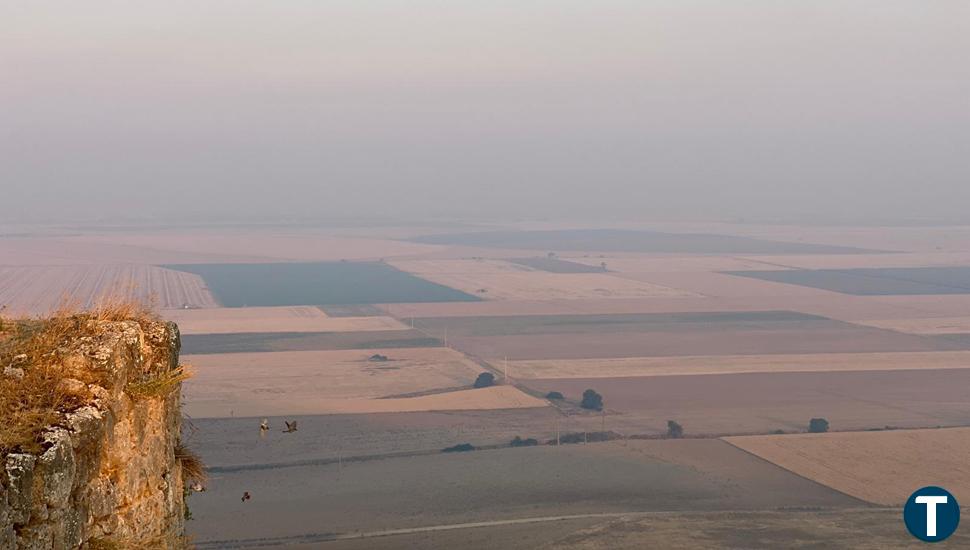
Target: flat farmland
207, 402
267, 245
879, 467
666, 335
874, 281
762, 402
931, 325
273, 319
827, 304
873, 529
305, 341
555, 265
335, 374
36, 290
726, 285
317, 283
234, 442
630, 240
673, 263
734, 364
506, 483
502, 280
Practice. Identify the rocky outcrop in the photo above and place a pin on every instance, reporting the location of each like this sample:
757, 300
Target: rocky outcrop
108, 474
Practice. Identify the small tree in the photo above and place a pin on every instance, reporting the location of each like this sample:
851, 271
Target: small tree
674, 429
485, 380
818, 425
592, 401
554, 395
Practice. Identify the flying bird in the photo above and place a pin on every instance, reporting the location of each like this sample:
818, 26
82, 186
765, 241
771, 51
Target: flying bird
246, 496
290, 426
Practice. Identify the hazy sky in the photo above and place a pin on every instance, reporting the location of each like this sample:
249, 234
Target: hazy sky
553, 108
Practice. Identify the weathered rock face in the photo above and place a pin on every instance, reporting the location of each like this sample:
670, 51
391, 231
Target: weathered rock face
109, 473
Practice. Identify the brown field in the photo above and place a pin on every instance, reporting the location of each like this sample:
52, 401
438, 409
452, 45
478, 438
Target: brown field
273, 319
932, 325
290, 403
662, 263
734, 364
833, 305
723, 285
851, 261
871, 529
269, 245
761, 402
824, 338
507, 281
35, 290
302, 501
37, 251
311, 382
230, 441
878, 467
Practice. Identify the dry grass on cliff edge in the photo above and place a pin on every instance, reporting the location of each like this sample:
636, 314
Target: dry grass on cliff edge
35, 358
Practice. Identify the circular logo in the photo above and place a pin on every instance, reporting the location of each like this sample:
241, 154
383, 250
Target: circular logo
931, 514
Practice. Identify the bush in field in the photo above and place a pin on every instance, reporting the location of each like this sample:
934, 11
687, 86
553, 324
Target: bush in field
485, 380
460, 448
554, 395
519, 442
592, 401
818, 425
674, 429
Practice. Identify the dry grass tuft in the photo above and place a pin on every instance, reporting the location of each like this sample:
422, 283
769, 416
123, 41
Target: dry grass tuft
193, 469
36, 355
159, 383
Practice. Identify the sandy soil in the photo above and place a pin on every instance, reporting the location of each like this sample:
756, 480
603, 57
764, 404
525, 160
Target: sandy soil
308, 382
490, 485
879, 467
36, 290
273, 319
732, 364
761, 402
507, 281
